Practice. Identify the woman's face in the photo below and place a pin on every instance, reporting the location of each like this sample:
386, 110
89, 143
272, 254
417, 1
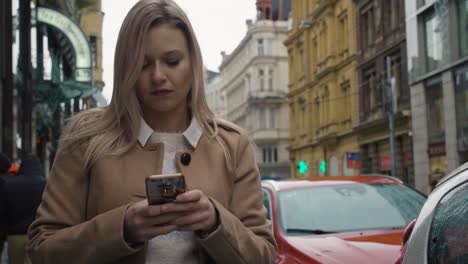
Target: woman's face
166, 76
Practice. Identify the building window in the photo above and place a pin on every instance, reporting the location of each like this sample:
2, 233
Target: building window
262, 118
461, 106
272, 118
463, 26
270, 80
433, 41
435, 112
261, 76
260, 47
343, 32
270, 154
370, 92
93, 45
388, 14
269, 46
367, 27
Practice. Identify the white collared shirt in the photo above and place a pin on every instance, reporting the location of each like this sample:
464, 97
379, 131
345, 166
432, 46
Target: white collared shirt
175, 247
192, 133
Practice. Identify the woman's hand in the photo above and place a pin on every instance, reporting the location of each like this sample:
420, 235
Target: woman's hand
198, 212
142, 222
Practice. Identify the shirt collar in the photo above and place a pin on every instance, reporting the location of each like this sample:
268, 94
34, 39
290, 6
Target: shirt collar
192, 133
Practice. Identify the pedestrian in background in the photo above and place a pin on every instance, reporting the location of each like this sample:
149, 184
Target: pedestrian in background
24, 194
4, 166
14, 169
94, 208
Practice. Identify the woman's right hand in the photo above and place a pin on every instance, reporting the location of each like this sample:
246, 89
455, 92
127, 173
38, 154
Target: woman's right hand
142, 222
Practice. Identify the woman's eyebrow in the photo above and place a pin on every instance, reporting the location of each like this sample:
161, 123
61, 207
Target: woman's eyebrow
172, 52
165, 54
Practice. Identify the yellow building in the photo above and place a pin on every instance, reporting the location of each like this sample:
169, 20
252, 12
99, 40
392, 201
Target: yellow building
323, 90
90, 16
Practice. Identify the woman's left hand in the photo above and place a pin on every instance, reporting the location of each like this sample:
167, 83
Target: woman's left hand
198, 211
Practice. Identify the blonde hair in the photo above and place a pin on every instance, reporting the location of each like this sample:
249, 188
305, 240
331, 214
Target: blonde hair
113, 130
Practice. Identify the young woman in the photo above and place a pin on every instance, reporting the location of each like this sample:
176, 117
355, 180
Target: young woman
94, 208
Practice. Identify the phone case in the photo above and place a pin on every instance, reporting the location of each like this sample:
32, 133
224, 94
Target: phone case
164, 188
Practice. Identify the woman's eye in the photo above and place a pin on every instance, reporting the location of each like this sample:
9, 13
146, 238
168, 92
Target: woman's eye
146, 65
172, 62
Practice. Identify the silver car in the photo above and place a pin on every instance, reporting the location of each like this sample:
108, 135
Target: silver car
440, 234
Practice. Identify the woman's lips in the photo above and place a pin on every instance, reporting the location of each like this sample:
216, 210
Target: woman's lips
161, 92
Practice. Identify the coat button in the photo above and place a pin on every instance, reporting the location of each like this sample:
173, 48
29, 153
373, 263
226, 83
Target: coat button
185, 158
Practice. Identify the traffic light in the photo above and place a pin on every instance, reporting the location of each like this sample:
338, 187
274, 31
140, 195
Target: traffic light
302, 167
323, 166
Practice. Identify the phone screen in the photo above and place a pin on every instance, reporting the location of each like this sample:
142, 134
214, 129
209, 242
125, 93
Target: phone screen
164, 188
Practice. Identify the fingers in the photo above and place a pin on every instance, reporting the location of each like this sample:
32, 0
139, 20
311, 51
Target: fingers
190, 196
193, 218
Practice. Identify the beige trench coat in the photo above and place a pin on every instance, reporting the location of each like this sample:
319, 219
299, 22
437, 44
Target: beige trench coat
80, 219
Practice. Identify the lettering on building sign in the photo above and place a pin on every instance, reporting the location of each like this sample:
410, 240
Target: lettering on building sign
77, 38
436, 149
353, 160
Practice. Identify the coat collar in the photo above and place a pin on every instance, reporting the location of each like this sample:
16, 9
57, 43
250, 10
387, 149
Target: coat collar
192, 133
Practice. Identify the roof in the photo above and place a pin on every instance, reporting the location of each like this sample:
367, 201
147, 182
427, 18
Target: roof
293, 183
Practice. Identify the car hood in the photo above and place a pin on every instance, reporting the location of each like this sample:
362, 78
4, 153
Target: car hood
356, 247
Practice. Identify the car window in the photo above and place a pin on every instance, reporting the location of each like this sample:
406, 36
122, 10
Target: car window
449, 229
348, 207
267, 203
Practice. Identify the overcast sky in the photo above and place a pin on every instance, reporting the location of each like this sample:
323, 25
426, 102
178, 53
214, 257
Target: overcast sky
218, 24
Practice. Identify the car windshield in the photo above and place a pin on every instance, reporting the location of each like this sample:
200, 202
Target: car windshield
347, 207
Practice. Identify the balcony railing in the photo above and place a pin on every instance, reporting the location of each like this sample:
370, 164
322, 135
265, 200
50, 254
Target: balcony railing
273, 94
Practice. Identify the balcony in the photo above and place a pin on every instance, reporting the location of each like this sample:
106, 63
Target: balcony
262, 95
265, 135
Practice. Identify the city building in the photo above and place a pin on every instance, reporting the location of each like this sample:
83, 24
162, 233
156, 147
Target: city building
323, 88
214, 97
253, 82
53, 68
273, 9
381, 36
438, 78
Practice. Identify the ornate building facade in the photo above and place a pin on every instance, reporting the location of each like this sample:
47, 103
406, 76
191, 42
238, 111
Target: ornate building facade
323, 87
55, 47
252, 84
381, 36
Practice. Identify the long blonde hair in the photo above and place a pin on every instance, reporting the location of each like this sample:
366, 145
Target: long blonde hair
113, 130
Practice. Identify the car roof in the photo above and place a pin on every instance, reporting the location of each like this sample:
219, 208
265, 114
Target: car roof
295, 183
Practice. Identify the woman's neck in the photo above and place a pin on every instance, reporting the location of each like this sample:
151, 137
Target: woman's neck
168, 123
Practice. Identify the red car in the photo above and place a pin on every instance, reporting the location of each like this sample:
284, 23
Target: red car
340, 219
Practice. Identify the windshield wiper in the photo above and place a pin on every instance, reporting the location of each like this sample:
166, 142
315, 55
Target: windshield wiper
309, 231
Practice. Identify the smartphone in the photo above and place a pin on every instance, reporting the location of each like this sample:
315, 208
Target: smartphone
164, 188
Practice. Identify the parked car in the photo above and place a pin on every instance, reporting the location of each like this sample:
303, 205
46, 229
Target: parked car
440, 233
340, 219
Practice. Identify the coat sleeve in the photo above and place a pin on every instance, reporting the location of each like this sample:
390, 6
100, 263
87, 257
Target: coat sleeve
244, 234
61, 232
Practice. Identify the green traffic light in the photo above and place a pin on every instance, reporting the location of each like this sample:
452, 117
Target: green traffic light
302, 167
323, 166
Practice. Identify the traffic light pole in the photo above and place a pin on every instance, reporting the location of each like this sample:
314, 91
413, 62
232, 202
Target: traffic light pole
389, 104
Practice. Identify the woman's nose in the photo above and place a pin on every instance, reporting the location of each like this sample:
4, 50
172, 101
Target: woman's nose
158, 73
